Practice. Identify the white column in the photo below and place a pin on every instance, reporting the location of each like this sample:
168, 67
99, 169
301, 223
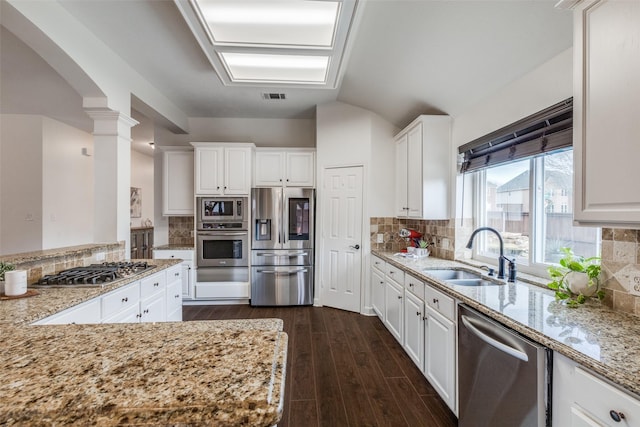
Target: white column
112, 173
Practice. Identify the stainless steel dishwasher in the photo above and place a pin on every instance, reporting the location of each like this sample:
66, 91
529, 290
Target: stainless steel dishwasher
503, 377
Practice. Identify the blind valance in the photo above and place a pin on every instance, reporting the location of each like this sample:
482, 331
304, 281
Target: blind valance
543, 132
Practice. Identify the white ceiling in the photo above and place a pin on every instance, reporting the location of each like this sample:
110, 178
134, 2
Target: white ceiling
407, 57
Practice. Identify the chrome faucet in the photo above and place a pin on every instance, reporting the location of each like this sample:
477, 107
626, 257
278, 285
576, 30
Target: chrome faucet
501, 258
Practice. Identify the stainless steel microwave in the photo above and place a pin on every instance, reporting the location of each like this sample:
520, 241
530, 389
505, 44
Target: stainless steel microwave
221, 209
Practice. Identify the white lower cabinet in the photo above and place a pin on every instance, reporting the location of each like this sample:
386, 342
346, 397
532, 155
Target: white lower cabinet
414, 328
393, 313
188, 276
440, 361
441, 355
377, 292
580, 398
156, 298
87, 312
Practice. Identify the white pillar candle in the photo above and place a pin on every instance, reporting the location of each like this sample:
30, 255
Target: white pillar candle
15, 282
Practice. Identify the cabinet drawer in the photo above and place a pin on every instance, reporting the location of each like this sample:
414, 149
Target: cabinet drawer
126, 315
609, 398
153, 284
174, 274
414, 286
121, 299
378, 263
440, 302
395, 273
186, 255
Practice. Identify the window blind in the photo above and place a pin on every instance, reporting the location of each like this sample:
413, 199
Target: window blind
543, 132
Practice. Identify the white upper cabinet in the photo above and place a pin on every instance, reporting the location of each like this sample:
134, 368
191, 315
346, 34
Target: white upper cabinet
291, 168
606, 128
423, 166
177, 183
223, 169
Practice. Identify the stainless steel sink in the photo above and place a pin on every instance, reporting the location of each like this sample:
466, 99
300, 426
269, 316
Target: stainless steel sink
452, 274
474, 282
461, 277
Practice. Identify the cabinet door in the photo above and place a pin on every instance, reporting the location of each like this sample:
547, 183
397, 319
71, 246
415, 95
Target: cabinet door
87, 312
269, 168
154, 309
414, 329
300, 169
177, 183
174, 301
393, 308
209, 170
402, 206
606, 98
127, 315
237, 171
414, 171
377, 293
187, 279
440, 355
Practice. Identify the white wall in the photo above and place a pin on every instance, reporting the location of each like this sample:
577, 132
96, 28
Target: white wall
544, 86
21, 183
262, 132
350, 136
142, 176
67, 185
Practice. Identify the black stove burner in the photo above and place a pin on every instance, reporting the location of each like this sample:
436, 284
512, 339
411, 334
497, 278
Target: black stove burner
94, 275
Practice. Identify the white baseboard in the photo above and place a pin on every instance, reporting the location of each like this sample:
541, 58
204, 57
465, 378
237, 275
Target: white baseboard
216, 302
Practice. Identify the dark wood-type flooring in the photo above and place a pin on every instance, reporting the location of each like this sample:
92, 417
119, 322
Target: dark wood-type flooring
343, 369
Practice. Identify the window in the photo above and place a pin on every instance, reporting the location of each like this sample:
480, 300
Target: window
530, 203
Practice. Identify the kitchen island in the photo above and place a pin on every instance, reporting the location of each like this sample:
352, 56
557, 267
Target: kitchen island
223, 373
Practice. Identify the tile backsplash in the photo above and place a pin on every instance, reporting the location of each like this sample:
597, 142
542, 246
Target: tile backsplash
621, 268
440, 233
181, 230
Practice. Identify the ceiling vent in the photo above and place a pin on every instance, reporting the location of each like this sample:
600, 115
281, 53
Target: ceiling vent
273, 96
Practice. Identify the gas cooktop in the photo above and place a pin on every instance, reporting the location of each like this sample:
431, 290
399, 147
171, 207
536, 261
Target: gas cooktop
93, 275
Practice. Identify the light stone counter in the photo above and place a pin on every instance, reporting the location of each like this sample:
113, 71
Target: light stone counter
223, 373
603, 340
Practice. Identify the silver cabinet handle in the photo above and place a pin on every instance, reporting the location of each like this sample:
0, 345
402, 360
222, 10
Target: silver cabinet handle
493, 342
284, 273
268, 254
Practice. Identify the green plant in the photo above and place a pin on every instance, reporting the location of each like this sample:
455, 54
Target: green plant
423, 244
570, 263
4, 267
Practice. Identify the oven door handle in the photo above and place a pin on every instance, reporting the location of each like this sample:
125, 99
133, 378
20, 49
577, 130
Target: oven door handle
279, 255
493, 342
284, 273
237, 233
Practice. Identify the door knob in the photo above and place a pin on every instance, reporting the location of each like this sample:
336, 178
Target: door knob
356, 247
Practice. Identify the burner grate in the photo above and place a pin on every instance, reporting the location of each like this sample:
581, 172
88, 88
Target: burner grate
94, 274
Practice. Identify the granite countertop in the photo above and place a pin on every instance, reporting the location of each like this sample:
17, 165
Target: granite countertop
603, 340
54, 253
227, 373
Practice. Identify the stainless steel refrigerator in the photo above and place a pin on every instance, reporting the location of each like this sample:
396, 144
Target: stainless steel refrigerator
282, 243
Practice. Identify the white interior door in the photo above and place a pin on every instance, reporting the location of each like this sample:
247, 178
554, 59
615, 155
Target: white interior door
341, 258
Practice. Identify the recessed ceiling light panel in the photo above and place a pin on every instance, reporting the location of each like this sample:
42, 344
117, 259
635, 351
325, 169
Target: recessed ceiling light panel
294, 23
276, 68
